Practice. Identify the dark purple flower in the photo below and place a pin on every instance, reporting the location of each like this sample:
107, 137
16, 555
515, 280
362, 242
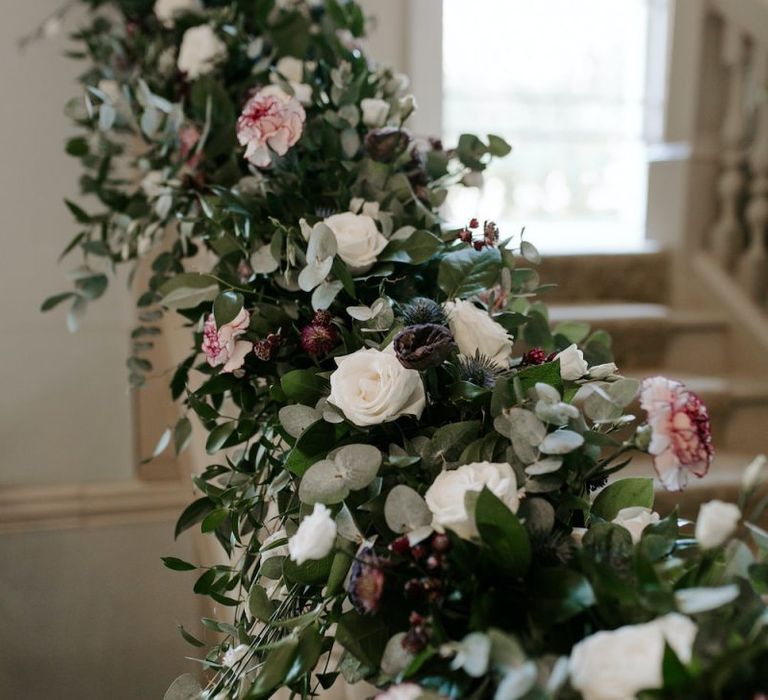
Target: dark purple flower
366, 582
387, 143
424, 345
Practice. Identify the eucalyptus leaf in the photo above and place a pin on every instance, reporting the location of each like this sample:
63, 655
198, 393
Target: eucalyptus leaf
405, 510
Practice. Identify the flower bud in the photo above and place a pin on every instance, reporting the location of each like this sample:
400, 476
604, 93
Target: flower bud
384, 145
423, 346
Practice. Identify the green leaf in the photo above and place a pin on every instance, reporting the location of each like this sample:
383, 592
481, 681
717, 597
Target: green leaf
558, 595
192, 514
310, 573
313, 445
674, 672
449, 441
624, 493
303, 386
184, 687
416, 249
503, 533
181, 434
547, 373
219, 436
188, 290
259, 604
275, 669
162, 443
214, 519
226, 307
176, 564
464, 273
80, 215
573, 331
189, 638
308, 652
363, 636
497, 146
55, 300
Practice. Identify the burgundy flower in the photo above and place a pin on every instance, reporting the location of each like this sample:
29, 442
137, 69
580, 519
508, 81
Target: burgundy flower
535, 356
366, 582
385, 144
681, 438
424, 345
266, 349
320, 336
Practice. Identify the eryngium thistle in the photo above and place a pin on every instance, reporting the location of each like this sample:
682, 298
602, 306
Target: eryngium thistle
479, 370
423, 310
423, 346
387, 143
366, 582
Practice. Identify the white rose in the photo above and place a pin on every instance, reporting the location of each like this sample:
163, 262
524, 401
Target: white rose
608, 370
616, 665
635, 520
200, 50
572, 364
315, 537
372, 387
168, 10
717, 521
359, 241
375, 111
476, 332
446, 498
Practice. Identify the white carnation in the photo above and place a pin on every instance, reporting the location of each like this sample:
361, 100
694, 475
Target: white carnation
572, 364
168, 10
315, 537
635, 519
616, 665
359, 241
372, 387
375, 111
716, 523
200, 51
446, 497
476, 332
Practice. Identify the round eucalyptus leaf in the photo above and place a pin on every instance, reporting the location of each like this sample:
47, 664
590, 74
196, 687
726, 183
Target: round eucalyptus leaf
263, 262
314, 273
561, 442
537, 515
322, 243
358, 464
297, 418
325, 293
323, 483
405, 510
544, 466
185, 687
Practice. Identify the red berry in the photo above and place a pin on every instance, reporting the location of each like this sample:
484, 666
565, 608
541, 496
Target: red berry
418, 552
415, 619
413, 588
535, 356
479, 245
434, 561
400, 546
474, 223
441, 542
465, 236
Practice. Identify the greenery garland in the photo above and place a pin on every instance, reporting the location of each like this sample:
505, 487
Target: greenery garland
410, 463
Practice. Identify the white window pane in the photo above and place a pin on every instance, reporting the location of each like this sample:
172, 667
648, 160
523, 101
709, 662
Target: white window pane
564, 81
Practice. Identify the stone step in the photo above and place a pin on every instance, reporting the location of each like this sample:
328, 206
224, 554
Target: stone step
738, 407
655, 335
634, 277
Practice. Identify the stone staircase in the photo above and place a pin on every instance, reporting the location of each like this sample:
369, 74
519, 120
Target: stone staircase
629, 296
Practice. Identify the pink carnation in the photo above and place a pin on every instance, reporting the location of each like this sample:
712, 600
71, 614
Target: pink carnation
188, 139
270, 119
681, 438
221, 346
403, 691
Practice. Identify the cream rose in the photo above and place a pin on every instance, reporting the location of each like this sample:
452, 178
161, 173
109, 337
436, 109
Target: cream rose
716, 523
315, 537
359, 241
446, 498
572, 364
292, 69
476, 332
372, 387
618, 664
375, 111
168, 10
200, 51
635, 520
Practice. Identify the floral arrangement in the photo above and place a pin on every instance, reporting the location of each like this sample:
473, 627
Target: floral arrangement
414, 474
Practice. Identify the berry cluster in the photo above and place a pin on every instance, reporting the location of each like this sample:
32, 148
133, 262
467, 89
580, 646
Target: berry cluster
490, 234
267, 348
320, 336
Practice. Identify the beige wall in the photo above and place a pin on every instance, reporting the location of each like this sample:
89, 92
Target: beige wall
64, 403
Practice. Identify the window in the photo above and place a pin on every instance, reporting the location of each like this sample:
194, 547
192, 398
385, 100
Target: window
573, 86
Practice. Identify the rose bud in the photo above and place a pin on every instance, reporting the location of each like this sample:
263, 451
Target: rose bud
366, 582
385, 144
424, 345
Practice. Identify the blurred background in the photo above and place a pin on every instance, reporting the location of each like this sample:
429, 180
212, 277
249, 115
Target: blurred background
640, 168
